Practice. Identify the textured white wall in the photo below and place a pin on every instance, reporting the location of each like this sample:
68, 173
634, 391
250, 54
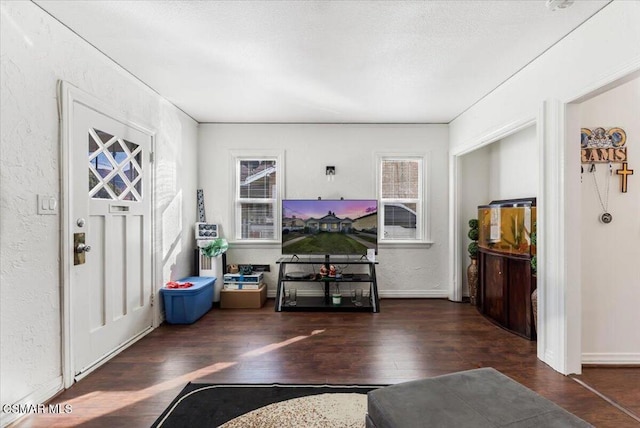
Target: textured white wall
36, 52
475, 168
513, 166
610, 253
405, 272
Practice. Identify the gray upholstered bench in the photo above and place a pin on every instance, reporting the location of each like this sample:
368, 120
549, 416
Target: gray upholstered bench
475, 398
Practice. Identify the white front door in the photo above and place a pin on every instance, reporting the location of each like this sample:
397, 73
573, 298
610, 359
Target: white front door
110, 203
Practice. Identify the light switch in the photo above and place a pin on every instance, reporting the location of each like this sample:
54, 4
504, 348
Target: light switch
47, 205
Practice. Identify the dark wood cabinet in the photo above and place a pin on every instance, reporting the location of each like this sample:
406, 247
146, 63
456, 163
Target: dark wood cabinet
494, 287
506, 285
519, 318
506, 247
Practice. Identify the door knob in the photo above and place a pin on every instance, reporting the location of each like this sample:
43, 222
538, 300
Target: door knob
82, 248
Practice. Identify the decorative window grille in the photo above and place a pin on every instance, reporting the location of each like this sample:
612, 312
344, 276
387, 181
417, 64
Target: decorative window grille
115, 168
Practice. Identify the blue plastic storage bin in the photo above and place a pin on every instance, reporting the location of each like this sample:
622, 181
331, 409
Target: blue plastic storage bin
186, 305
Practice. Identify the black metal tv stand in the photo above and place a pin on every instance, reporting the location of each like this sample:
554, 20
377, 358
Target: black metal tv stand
369, 303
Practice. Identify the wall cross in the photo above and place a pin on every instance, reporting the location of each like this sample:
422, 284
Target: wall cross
624, 174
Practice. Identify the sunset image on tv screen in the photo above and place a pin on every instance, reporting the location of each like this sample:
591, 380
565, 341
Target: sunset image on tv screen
329, 226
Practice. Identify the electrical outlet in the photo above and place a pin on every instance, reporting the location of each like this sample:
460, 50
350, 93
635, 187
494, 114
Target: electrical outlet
47, 205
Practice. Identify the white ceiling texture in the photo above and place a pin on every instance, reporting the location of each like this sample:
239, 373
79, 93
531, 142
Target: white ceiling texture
322, 61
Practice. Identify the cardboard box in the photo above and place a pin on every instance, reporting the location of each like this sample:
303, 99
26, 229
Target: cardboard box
243, 299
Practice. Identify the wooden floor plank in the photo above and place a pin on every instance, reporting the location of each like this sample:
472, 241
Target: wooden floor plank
618, 384
407, 340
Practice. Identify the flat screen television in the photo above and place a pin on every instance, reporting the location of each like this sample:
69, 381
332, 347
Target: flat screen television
329, 227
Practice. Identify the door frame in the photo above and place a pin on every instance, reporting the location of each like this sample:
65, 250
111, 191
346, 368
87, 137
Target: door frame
456, 232
67, 96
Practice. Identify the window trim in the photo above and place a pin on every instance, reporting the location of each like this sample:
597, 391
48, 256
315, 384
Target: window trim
264, 155
423, 232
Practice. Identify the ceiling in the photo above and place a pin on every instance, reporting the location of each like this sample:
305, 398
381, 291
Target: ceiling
321, 61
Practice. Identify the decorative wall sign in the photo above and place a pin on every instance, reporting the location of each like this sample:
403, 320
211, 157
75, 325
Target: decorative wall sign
600, 145
624, 172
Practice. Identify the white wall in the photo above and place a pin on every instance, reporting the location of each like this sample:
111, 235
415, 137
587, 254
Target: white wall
505, 169
513, 169
36, 52
475, 169
406, 272
562, 74
610, 252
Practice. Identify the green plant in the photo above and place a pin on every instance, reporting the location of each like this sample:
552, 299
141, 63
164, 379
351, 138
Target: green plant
518, 231
473, 249
473, 234
534, 241
215, 247
534, 235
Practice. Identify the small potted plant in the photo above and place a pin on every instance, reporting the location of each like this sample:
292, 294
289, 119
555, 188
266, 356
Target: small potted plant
472, 269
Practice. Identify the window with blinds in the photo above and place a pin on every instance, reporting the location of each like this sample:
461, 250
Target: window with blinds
257, 181
401, 198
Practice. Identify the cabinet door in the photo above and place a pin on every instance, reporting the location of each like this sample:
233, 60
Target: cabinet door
494, 288
519, 297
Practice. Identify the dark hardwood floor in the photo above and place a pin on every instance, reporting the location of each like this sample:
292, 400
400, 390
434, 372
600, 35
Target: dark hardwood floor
407, 340
618, 384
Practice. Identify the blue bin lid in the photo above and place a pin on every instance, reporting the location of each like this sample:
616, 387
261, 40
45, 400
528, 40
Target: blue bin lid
199, 282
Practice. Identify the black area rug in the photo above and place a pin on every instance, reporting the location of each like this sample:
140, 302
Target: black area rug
207, 405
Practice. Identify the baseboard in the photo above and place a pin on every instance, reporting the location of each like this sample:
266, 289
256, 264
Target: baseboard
39, 396
610, 358
413, 294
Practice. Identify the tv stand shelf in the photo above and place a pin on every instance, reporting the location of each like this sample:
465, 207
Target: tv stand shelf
370, 303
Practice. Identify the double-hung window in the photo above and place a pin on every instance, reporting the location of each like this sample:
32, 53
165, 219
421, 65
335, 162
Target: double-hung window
258, 182
401, 192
